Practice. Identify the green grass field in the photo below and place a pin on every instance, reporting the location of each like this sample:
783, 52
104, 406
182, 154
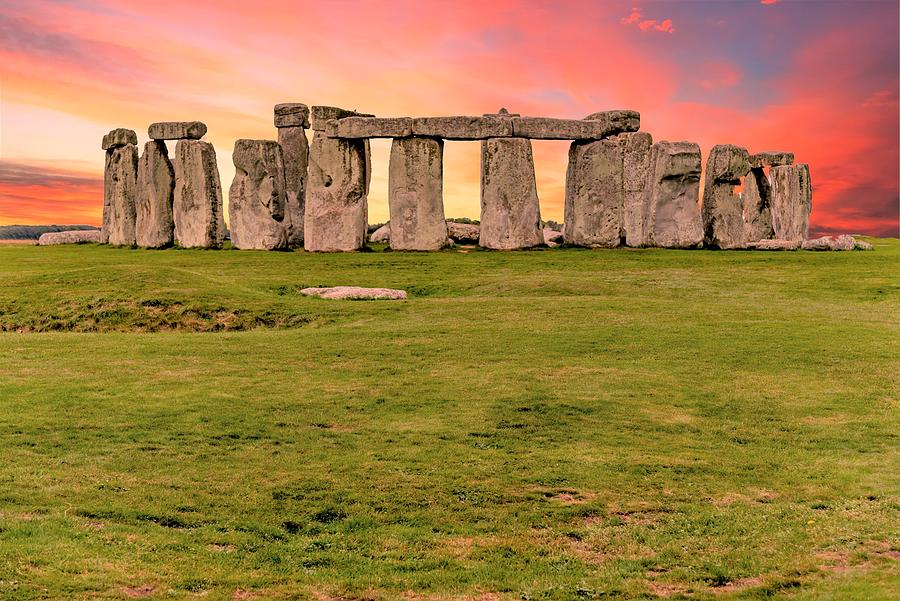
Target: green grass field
565, 424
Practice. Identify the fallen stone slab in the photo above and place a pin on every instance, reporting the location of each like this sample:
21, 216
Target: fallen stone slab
552, 237
176, 130
594, 127
321, 115
155, 226
382, 234
292, 114
771, 158
843, 242
774, 245
69, 237
723, 219
118, 137
355, 293
370, 127
463, 233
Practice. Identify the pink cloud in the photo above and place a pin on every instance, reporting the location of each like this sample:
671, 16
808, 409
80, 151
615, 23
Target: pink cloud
769, 1
636, 18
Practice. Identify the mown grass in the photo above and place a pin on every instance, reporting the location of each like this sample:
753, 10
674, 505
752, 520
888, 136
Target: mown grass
559, 424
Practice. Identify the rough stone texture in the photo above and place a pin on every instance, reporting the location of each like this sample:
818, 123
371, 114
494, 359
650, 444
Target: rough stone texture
336, 208
256, 199
756, 201
197, 207
120, 195
723, 220
156, 192
594, 127
791, 201
295, 150
415, 194
118, 137
843, 242
595, 194
463, 128
382, 234
774, 245
176, 130
355, 293
552, 237
635, 170
370, 127
510, 212
321, 115
463, 233
671, 199
69, 237
291, 114
771, 158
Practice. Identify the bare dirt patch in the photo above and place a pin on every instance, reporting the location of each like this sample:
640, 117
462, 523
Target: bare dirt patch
144, 591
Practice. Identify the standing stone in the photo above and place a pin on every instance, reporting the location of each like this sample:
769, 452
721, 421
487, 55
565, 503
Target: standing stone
791, 201
723, 219
756, 201
636, 167
336, 216
292, 119
197, 207
415, 192
595, 194
119, 188
510, 211
256, 199
156, 190
671, 199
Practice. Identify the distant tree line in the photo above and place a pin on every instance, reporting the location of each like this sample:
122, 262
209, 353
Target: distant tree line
33, 232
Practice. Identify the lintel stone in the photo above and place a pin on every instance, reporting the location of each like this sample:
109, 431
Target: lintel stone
119, 137
176, 130
292, 114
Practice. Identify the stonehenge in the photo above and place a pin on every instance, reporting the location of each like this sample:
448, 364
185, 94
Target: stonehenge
621, 188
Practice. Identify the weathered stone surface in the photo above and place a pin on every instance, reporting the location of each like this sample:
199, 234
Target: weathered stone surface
155, 195
197, 206
771, 158
843, 242
415, 194
69, 237
118, 137
382, 234
595, 194
176, 130
723, 220
336, 207
756, 201
552, 237
291, 114
672, 196
355, 293
295, 151
774, 245
635, 171
791, 201
256, 199
463, 128
463, 233
510, 212
321, 115
595, 127
370, 127
120, 195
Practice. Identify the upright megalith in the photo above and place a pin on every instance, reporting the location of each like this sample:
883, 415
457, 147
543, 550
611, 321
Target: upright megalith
510, 211
119, 187
672, 196
197, 207
791, 201
635, 171
336, 215
415, 194
723, 220
595, 194
756, 199
292, 120
156, 192
256, 200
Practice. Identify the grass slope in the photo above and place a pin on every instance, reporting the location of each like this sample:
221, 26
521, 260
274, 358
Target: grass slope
560, 424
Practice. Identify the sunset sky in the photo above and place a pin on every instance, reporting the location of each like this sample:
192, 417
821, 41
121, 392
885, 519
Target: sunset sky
819, 78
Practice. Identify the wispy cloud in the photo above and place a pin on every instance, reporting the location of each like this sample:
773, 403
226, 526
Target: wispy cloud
636, 18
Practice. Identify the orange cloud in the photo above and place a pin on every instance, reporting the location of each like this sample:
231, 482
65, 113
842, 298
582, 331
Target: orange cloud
636, 17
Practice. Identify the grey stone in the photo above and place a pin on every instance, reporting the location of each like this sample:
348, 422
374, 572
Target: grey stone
463, 128
463, 233
595, 194
291, 114
774, 245
510, 211
256, 199
336, 208
771, 158
595, 127
176, 130
415, 194
69, 237
756, 202
295, 151
382, 234
635, 171
672, 195
791, 201
156, 193
120, 195
723, 220
370, 127
355, 293
197, 206
843, 242
552, 237
118, 137
321, 115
